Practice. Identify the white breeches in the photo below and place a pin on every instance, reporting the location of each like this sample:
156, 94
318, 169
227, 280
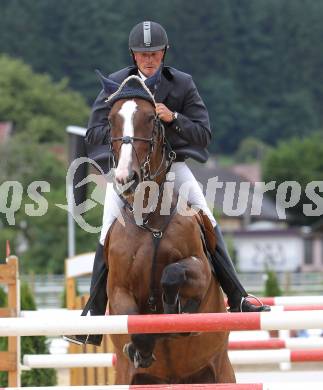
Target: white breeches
184, 183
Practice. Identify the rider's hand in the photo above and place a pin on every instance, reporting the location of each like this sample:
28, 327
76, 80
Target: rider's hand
164, 113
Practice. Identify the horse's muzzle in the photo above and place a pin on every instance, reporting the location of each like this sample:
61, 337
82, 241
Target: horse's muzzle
128, 186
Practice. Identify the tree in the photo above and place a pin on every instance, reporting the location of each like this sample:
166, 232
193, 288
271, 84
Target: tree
40, 110
250, 150
242, 55
40, 240
296, 160
272, 288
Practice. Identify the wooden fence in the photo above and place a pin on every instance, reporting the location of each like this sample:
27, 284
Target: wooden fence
10, 359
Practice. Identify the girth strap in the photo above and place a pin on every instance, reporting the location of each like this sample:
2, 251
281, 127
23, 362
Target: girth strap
157, 236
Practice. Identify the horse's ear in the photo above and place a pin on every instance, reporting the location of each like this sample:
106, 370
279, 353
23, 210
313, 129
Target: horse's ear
153, 81
109, 86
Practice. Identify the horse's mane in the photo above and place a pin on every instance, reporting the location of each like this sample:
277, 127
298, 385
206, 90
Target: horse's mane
130, 88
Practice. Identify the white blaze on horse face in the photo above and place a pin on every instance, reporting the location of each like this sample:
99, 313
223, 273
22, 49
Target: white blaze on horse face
127, 112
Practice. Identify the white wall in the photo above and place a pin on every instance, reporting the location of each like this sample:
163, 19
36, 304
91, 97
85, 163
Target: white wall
280, 253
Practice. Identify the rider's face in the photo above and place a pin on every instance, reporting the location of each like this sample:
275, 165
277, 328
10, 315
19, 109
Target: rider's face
149, 62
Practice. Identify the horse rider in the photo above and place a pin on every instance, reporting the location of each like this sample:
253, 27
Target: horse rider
187, 127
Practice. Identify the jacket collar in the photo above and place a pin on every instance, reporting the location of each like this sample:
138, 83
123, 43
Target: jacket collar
165, 83
163, 89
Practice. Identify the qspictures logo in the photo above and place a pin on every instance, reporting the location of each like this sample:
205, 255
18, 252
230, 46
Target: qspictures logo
237, 198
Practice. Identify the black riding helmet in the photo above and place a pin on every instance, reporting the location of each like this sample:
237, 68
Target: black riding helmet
148, 36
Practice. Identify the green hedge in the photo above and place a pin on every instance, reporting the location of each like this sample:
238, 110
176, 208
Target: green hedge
272, 288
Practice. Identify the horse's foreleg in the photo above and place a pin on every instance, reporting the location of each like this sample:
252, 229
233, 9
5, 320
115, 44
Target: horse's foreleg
185, 281
140, 349
173, 277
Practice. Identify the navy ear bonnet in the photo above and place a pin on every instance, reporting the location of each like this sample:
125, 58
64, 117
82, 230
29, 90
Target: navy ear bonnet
131, 87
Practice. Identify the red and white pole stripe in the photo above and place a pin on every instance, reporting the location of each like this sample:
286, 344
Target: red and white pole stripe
227, 386
275, 356
275, 343
70, 360
109, 359
296, 308
162, 323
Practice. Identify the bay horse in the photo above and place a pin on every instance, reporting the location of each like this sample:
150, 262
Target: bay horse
157, 265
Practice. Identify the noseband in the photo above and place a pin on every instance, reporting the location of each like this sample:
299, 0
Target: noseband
145, 169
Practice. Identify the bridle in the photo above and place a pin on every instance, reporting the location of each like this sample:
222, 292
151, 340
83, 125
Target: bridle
168, 154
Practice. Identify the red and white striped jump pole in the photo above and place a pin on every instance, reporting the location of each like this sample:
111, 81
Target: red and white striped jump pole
162, 323
275, 356
296, 308
65, 313
109, 359
275, 343
68, 313
70, 360
227, 386
305, 300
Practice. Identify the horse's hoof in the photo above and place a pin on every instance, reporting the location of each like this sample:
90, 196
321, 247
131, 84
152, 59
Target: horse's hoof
191, 306
173, 308
129, 350
138, 360
143, 362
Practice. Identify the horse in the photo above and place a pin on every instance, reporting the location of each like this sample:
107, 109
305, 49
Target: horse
157, 263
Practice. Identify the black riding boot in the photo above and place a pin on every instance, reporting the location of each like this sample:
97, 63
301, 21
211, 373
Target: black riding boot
228, 278
98, 298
